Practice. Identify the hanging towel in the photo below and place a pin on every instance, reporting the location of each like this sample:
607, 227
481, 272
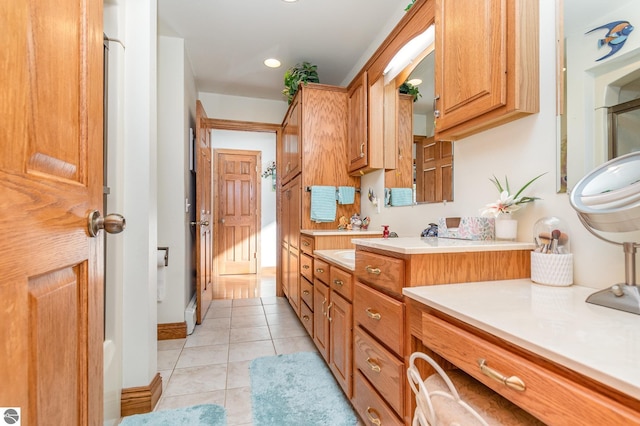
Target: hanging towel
401, 196
346, 195
323, 203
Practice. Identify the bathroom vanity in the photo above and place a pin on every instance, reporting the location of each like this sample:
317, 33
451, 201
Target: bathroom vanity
541, 347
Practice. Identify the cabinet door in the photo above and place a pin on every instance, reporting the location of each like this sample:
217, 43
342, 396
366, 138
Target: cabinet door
341, 339
285, 269
294, 212
291, 141
357, 136
471, 60
294, 280
320, 318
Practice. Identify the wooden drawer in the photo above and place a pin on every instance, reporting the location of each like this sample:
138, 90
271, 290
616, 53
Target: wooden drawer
321, 270
307, 244
369, 405
306, 293
384, 271
306, 266
385, 372
381, 315
306, 317
548, 395
341, 282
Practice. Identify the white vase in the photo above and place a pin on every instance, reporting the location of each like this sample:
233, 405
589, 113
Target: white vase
506, 229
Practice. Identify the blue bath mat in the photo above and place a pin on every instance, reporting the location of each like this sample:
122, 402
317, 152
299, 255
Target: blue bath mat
196, 415
297, 389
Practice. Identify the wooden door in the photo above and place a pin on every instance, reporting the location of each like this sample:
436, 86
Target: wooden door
471, 65
320, 319
204, 240
51, 319
292, 141
341, 341
237, 211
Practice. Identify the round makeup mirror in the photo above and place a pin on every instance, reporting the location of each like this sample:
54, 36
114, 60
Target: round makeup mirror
608, 199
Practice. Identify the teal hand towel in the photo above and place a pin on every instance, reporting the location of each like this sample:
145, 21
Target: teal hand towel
346, 195
401, 196
323, 203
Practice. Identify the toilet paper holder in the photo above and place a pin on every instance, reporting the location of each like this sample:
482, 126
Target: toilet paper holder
166, 255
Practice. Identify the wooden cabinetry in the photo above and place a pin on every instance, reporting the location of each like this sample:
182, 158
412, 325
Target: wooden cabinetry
399, 142
313, 151
434, 169
333, 321
381, 348
486, 74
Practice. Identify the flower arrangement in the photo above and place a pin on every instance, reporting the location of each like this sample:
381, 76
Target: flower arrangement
507, 203
270, 170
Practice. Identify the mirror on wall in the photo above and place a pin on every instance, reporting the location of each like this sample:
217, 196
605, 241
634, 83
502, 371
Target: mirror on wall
597, 93
409, 125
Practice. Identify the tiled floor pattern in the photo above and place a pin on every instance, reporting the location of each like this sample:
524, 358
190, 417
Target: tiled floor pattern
212, 364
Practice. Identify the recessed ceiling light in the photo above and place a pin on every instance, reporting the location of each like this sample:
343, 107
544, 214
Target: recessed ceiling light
289, 1
414, 81
272, 63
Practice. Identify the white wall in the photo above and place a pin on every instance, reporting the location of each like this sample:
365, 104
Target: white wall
176, 91
520, 150
243, 109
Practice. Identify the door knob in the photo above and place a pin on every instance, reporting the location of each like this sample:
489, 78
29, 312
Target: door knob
200, 223
112, 223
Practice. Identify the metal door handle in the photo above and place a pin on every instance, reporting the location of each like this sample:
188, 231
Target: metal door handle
200, 223
112, 223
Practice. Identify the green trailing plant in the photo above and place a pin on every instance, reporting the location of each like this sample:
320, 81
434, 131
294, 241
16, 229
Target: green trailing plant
409, 89
303, 73
406, 9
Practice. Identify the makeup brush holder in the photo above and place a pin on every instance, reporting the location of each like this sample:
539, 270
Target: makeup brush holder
552, 269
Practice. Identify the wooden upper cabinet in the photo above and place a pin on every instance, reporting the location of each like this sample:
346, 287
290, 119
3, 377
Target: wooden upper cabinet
486, 70
357, 146
401, 171
291, 141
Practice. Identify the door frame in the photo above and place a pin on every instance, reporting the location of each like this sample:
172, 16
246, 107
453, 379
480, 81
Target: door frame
252, 126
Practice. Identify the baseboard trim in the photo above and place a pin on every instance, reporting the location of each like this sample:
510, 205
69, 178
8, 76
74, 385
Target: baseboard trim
172, 330
141, 399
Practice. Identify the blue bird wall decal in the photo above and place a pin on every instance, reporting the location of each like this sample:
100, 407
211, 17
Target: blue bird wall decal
615, 37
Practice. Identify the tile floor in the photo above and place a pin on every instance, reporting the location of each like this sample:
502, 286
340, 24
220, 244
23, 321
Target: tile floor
212, 364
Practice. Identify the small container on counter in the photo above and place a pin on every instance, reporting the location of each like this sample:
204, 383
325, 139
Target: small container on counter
551, 261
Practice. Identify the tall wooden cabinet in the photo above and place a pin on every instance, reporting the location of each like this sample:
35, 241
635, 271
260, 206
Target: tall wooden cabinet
486, 74
313, 152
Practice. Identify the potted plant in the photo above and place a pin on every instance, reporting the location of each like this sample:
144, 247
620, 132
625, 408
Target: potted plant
409, 89
300, 73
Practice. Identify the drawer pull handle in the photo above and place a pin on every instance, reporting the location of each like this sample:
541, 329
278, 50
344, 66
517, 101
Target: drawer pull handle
373, 416
324, 302
373, 315
320, 270
306, 243
373, 365
305, 317
329, 312
306, 292
513, 382
370, 269
305, 266
338, 282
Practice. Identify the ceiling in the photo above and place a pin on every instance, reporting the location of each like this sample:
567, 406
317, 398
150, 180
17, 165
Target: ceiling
226, 41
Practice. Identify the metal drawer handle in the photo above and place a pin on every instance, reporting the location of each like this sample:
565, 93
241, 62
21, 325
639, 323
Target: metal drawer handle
306, 243
370, 269
329, 312
305, 317
324, 302
320, 270
373, 365
305, 266
362, 150
373, 416
306, 292
513, 382
373, 315
338, 282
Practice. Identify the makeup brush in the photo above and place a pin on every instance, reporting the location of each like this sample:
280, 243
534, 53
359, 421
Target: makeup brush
555, 235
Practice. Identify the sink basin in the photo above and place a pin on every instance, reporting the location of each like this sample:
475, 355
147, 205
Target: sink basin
346, 254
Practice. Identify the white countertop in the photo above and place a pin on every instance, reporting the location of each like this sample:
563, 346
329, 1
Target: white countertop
554, 322
417, 245
339, 257
320, 232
